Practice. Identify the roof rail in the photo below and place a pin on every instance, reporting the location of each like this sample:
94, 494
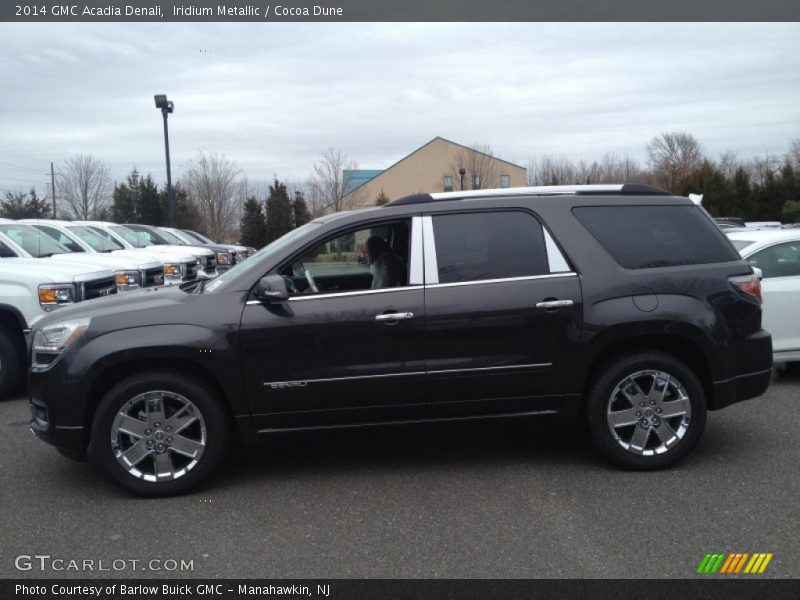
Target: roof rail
615, 189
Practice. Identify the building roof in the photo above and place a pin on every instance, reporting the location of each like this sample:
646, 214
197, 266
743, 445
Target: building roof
393, 165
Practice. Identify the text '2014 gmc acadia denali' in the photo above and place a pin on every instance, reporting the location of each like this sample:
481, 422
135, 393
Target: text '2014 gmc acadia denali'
622, 306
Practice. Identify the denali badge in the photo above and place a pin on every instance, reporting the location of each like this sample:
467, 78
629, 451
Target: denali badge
283, 385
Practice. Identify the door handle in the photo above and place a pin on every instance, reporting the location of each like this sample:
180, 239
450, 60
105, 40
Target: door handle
554, 303
397, 316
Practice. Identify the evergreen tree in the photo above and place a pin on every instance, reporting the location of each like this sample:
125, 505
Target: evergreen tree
150, 210
719, 198
253, 226
279, 212
24, 206
382, 199
186, 214
300, 209
125, 206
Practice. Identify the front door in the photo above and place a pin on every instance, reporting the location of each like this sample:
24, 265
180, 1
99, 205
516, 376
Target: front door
503, 313
347, 347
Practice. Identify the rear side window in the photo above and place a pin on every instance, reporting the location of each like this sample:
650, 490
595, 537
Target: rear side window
782, 260
479, 246
643, 237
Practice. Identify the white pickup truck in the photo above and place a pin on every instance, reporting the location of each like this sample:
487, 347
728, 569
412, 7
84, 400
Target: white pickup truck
30, 288
206, 259
131, 273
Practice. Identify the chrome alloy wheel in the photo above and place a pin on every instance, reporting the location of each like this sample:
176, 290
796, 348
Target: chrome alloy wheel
158, 436
649, 412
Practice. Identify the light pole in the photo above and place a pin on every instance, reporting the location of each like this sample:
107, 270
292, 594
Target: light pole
167, 107
462, 171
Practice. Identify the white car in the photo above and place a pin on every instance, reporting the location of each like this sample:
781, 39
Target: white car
777, 253
190, 263
30, 288
25, 241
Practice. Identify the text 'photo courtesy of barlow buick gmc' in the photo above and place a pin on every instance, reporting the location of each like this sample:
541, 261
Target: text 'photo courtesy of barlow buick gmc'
619, 307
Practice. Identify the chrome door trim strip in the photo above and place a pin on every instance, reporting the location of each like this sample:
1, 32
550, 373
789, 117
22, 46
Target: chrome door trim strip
503, 280
342, 294
304, 382
295, 383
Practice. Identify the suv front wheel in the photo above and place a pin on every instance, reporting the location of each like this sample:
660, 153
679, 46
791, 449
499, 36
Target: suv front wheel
646, 410
159, 433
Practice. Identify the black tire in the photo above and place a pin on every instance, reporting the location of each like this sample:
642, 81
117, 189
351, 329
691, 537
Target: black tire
205, 400
12, 362
599, 399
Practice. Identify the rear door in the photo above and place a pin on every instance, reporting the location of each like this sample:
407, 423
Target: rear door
503, 311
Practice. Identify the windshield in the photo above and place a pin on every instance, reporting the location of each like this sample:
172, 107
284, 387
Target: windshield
129, 236
33, 241
98, 242
258, 259
149, 236
171, 237
197, 237
742, 244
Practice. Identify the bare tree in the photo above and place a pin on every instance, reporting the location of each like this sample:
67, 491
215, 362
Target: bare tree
551, 170
217, 188
793, 156
729, 163
329, 187
760, 167
481, 170
672, 156
85, 186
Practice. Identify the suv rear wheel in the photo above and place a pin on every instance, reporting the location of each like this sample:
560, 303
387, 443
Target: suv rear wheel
159, 433
646, 410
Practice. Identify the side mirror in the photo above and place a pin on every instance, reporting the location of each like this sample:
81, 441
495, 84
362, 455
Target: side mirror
271, 288
759, 273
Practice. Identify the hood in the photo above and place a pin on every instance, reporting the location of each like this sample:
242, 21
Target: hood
193, 250
50, 271
149, 302
165, 256
106, 261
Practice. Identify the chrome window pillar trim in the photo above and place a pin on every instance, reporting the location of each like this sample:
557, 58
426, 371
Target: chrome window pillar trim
503, 280
555, 259
416, 271
429, 250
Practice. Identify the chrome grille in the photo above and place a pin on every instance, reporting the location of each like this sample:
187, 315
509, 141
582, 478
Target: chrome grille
153, 277
97, 288
191, 271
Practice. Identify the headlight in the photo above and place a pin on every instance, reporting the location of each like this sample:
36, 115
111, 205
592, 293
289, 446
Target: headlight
223, 258
240, 256
173, 272
55, 338
56, 295
128, 280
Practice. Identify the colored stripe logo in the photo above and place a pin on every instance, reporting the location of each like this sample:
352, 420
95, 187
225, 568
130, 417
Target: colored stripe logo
723, 563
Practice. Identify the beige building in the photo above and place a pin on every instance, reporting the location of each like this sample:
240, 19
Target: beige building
435, 167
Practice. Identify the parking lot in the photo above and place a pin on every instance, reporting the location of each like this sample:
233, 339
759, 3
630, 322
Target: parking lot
510, 500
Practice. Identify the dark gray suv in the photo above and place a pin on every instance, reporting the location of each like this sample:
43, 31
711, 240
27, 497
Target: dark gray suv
622, 306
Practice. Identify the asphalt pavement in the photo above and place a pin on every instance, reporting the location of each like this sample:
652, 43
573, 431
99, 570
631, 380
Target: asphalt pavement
500, 500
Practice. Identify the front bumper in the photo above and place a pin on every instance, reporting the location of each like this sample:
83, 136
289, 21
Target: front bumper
59, 419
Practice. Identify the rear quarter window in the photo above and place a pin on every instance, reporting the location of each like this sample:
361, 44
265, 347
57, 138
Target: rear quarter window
644, 237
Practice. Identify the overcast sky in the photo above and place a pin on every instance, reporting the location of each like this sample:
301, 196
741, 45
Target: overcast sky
273, 96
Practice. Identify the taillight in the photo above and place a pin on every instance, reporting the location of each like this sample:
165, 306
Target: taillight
749, 285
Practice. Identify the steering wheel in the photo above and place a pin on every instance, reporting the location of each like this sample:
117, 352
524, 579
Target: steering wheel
311, 283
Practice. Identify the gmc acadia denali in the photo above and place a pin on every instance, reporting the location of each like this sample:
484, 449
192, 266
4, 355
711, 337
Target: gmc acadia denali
622, 306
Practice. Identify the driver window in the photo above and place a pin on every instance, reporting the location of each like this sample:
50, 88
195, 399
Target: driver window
363, 259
